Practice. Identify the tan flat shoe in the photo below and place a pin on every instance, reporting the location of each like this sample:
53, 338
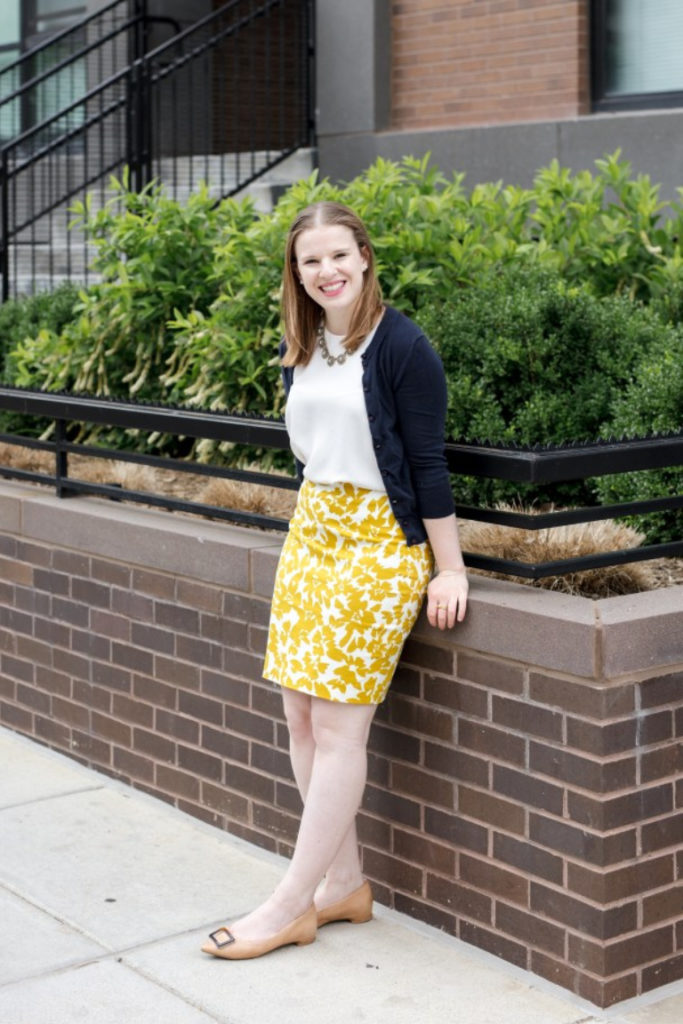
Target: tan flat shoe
301, 931
356, 907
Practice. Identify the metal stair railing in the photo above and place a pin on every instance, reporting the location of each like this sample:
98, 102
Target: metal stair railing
223, 101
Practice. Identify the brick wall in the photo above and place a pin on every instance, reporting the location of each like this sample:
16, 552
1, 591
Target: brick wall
477, 62
525, 780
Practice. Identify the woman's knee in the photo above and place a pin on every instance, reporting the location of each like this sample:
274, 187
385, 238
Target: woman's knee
297, 708
336, 725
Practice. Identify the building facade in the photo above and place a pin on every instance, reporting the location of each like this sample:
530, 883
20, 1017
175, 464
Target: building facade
498, 88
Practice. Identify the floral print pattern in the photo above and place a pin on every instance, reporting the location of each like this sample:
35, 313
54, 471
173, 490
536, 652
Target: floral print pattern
347, 593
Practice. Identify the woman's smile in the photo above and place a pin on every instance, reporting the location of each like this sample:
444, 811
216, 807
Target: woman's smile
331, 267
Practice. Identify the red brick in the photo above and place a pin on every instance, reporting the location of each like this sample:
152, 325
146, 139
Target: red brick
598, 775
393, 743
657, 835
178, 783
95, 595
466, 700
456, 830
17, 668
422, 785
661, 763
435, 659
71, 713
456, 764
461, 899
179, 727
419, 910
495, 675
663, 973
110, 729
267, 758
488, 877
622, 954
155, 583
233, 805
491, 810
417, 717
616, 812
230, 747
601, 923
198, 762
661, 690
16, 718
200, 652
532, 930
495, 743
199, 595
133, 765
419, 850
394, 871
181, 673
495, 943
528, 858
275, 822
392, 806
225, 688
621, 883
663, 906
527, 718
527, 789
593, 847
581, 698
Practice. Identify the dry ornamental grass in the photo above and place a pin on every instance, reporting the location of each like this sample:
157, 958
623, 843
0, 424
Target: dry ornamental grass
531, 546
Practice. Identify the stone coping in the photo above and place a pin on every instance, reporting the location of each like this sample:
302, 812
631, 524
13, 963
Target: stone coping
594, 640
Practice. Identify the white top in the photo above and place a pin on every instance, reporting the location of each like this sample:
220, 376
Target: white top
327, 421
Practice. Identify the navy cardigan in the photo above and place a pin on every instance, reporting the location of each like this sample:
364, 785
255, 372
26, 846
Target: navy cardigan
405, 398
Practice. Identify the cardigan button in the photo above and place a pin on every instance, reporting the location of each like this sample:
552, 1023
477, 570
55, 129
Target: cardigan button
377, 445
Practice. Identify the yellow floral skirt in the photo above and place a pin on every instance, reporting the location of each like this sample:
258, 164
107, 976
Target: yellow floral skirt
347, 593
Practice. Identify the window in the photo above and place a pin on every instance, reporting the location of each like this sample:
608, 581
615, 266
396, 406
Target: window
636, 49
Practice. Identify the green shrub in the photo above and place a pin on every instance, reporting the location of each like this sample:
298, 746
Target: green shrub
530, 360
651, 403
24, 317
534, 296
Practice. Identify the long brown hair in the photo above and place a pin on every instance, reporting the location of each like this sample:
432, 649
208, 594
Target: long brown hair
300, 313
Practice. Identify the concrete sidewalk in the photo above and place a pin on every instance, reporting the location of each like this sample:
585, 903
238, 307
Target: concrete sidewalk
106, 895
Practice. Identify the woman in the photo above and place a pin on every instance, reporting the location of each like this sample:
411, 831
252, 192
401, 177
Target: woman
365, 416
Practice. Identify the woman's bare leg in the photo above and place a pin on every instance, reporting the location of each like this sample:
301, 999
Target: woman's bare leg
344, 873
335, 790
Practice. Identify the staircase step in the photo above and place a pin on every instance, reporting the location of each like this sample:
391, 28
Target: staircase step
42, 259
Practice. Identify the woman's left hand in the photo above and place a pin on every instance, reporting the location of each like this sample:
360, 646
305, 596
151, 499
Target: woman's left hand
447, 599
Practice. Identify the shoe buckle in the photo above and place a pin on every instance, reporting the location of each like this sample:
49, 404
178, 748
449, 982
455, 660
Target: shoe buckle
222, 937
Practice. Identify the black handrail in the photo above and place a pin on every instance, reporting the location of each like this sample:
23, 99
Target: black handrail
537, 465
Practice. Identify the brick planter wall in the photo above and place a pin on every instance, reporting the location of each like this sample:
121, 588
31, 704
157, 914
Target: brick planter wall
525, 790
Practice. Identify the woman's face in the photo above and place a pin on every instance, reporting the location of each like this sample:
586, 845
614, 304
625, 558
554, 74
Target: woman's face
330, 266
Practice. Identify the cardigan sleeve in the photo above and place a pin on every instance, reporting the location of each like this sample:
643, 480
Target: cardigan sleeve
421, 402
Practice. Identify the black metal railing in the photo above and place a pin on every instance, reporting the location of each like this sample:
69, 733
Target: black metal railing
534, 466
222, 101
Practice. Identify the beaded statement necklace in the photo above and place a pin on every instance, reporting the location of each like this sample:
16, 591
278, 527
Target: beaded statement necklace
322, 345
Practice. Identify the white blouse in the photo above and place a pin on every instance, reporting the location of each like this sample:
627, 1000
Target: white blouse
327, 421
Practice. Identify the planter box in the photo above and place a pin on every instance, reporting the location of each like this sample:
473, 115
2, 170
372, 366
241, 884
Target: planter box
525, 775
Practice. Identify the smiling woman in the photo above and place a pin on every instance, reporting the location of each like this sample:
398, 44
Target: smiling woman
366, 403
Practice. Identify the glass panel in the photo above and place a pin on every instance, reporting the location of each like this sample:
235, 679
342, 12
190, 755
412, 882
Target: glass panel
9, 112
644, 46
9, 23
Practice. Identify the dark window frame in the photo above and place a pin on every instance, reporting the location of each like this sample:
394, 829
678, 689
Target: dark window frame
603, 102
